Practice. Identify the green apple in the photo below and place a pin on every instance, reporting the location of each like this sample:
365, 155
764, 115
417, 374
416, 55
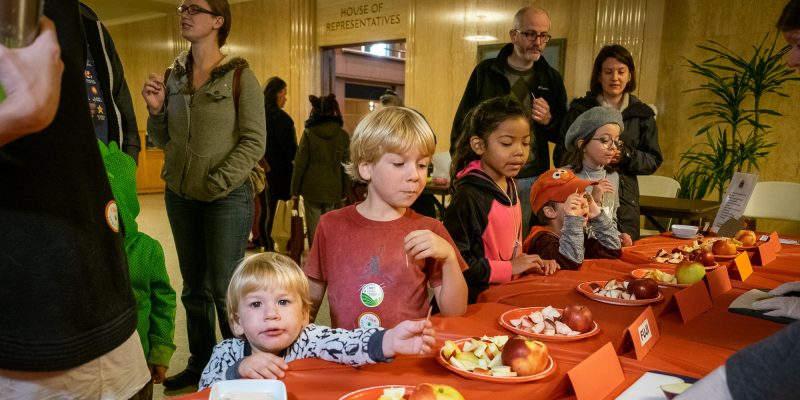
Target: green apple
689, 272
430, 391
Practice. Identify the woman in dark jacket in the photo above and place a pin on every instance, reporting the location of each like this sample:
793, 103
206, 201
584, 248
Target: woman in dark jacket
319, 172
613, 80
280, 153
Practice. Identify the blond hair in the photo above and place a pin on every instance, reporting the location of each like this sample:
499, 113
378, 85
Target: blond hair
265, 271
389, 130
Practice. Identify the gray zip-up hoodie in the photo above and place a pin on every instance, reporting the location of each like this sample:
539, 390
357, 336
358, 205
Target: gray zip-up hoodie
208, 149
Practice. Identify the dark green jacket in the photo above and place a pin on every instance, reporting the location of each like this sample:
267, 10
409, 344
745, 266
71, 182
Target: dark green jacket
318, 171
488, 81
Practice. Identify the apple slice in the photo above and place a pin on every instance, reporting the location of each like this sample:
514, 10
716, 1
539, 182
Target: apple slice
468, 345
482, 371
501, 368
500, 340
465, 357
395, 392
458, 364
479, 348
491, 348
497, 361
449, 349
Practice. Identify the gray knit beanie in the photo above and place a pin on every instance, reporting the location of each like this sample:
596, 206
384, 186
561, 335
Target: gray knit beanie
584, 126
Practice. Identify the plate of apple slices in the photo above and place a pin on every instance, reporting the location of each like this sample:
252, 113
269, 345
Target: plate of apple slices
664, 278
551, 324
619, 292
483, 359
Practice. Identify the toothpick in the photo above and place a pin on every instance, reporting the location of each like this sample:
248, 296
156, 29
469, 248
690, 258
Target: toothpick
430, 310
406, 259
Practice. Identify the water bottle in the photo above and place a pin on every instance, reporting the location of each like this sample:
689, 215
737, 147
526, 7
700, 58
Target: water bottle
19, 24
19, 21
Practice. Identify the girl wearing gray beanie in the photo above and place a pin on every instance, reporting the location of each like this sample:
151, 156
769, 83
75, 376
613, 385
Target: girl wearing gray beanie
592, 143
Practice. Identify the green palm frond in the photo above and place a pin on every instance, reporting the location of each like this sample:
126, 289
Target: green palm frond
736, 134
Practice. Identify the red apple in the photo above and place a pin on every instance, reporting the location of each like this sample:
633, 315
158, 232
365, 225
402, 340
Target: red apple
644, 288
747, 237
705, 257
525, 357
723, 247
578, 318
429, 391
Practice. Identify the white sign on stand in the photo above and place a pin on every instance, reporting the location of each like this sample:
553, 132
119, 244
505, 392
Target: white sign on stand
736, 198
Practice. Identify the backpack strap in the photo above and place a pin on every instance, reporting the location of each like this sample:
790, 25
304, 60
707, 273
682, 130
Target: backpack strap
166, 78
237, 87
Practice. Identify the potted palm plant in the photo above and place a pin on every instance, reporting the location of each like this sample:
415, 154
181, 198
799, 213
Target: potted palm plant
736, 129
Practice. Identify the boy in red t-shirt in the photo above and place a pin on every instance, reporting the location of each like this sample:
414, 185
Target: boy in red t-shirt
377, 258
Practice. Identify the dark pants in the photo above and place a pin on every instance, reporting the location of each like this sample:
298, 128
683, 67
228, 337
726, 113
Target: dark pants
264, 221
210, 239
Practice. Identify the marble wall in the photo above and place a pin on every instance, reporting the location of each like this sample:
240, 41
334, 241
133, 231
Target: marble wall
279, 38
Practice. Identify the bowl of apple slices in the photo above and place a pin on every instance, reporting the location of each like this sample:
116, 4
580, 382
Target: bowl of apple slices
573, 322
483, 359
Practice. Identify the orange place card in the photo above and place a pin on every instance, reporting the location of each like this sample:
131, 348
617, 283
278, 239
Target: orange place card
643, 333
765, 252
743, 266
718, 281
597, 375
693, 301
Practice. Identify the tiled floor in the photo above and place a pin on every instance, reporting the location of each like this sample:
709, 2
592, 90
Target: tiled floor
153, 221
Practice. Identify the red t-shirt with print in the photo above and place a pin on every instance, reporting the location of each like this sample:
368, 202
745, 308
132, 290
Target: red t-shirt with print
371, 282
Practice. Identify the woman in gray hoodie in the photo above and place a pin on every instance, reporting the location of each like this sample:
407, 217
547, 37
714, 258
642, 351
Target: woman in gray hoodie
208, 116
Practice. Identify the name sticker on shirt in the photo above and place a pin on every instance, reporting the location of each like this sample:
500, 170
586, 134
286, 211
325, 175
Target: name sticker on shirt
112, 216
369, 320
371, 295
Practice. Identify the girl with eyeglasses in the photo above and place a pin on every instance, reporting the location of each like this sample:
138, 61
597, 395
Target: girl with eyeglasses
207, 114
592, 143
612, 82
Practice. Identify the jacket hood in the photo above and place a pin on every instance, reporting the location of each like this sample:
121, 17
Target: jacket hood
227, 64
473, 175
121, 171
326, 131
636, 108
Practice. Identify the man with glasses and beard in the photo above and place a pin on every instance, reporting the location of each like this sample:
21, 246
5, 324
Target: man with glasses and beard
520, 70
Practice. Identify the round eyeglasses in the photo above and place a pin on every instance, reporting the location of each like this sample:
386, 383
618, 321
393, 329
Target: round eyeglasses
607, 143
534, 36
194, 10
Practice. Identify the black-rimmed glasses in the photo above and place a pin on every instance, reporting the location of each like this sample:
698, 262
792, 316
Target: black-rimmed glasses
608, 142
194, 10
534, 36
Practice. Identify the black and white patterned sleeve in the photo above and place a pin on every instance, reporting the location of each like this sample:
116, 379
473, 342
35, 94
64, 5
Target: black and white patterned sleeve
226, 353
352, 347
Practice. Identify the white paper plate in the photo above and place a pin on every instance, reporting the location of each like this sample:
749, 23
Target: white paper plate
255, 389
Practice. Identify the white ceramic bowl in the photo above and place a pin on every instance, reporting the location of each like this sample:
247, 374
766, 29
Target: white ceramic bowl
684, 231
248, 389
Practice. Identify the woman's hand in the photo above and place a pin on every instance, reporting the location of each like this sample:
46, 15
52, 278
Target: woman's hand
154, 93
